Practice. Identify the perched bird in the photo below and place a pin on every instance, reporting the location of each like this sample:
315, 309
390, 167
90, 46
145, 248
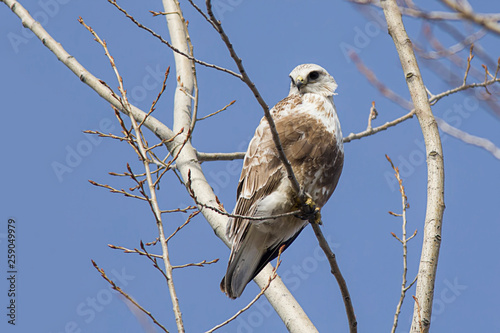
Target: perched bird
311, 138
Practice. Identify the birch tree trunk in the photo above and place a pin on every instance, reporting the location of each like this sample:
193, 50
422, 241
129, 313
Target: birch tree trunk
435, 169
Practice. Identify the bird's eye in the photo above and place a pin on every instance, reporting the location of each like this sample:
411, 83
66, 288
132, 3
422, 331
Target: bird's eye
313, 75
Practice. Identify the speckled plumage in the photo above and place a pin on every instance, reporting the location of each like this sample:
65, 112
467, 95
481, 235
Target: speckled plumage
311, 137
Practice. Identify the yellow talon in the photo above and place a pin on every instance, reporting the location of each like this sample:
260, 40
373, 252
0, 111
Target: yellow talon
317, 216
309, 209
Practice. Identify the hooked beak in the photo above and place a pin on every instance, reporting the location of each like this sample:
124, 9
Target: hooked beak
299, 82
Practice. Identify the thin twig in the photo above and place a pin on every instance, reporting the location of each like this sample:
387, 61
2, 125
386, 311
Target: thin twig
404, 241
103, 135
202, 13
198, 264
469, 59
190, 217
155, 263
437, 97
181, 210
451, 50
356, 136
381, 87
371, 116
160, 93
125, 250
419, 317
214, 113
114, 190
124, 294
173, 48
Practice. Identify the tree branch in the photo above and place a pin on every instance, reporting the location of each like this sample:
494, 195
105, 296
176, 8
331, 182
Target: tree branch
435, 167
465, 10
469, 138
432, 15
335, 270
127, 296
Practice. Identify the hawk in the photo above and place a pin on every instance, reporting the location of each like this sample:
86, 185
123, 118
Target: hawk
311, 137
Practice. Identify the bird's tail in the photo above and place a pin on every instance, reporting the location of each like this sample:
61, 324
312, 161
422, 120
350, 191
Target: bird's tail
245, 262
248, 257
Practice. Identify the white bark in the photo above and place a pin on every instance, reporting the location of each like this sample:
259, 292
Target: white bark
435, 168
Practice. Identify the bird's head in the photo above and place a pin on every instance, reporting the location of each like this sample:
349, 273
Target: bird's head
311, 78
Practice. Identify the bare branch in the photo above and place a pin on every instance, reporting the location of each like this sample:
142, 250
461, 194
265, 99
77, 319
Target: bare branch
468, 138
124, 294
153, 105
417, 304
465, 10
371, 116
181, 210
437, 97
469, 59
125, 250
199, 264
190, 217
214, 113
205, 157
114, 190
103, 135
404, 241
382, 88
433, 15
368, 132
451, 50
335, 269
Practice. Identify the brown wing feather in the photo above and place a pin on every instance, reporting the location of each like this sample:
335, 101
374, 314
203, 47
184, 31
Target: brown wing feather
261, 174
308, 147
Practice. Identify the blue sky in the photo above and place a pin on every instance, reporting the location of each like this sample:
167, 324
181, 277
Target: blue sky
63, 222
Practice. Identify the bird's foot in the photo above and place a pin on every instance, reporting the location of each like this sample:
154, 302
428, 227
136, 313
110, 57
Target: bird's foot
309, 210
